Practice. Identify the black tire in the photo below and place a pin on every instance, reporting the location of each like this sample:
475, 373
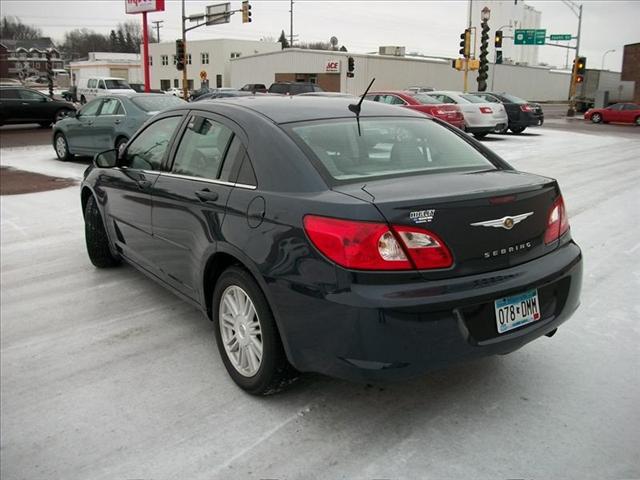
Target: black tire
61, 114
82, 100
120, 143
96, 237
637, 122
480, 136
61, 146
518, 130
275, 372
596, 118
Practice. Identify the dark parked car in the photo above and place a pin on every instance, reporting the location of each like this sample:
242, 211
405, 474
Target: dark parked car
254, 87
370, 248
521, 113
107, 122
23, 105
294, 88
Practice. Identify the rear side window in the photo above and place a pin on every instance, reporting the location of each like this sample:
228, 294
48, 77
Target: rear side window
92, 83
202, 148
8, 93
30, 95
156, 103
111, 106
387, 146
279, 88
91, 108
631, 106
147, 150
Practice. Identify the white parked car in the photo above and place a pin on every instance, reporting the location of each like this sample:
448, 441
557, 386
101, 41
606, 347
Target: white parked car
90, 88
175, 91
480, 116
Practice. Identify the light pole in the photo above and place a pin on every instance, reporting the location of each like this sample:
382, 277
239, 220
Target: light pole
604, 55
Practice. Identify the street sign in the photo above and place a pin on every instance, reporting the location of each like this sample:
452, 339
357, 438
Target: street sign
529, 37
219, 13
560, 36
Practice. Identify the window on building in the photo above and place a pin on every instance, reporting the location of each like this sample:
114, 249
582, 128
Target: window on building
218, 81
176, 83
150, 61
190, 84
204, 58
165, 84
175, 59
165, 60
235, 54
188, 59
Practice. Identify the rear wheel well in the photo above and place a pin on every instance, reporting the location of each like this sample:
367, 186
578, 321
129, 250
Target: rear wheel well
217, 264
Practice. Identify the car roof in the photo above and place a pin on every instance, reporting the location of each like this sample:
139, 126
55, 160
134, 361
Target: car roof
297, 108
132, 95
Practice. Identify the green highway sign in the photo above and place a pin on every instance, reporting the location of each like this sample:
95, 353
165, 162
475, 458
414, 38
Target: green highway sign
529, 37
560, 36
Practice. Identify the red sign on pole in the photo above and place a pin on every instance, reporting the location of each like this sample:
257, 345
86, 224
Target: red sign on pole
144, 7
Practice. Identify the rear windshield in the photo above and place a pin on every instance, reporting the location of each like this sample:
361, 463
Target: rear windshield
473, 99
388, 146
156, 103
426, 99
512, 99
117, 85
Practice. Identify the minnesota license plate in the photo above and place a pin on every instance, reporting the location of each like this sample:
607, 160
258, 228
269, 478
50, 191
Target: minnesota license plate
517, 310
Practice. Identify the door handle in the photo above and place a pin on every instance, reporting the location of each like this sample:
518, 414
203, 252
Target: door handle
144, 184
117, 121
207, 195
24, 103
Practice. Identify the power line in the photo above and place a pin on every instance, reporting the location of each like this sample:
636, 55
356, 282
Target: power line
158, 24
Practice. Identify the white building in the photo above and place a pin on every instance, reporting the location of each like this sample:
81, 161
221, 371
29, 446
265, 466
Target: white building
108, 64
507, 15
329, 70
209, 56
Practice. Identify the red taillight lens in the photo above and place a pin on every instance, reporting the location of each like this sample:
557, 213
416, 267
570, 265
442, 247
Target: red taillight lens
558, 221
486, 110
376, 246
526, 108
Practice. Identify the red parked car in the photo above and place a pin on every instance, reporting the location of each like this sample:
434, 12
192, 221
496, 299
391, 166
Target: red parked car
422, 102
620, 113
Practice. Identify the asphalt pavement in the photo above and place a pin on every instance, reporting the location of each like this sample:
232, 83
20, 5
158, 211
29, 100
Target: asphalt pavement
104, 375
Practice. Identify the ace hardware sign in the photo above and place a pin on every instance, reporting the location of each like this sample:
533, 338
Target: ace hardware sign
332, 66
144, 6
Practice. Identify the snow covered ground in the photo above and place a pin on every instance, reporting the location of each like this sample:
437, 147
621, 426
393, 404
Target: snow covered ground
105, 375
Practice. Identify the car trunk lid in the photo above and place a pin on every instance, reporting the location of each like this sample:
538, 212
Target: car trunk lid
489, 220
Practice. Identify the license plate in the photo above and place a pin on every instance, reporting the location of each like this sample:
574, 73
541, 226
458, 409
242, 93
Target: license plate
517, 310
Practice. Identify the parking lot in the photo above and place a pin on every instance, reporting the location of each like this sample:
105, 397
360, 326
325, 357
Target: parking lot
106, 375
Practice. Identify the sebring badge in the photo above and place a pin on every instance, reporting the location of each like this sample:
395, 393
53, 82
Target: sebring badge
505, 222
422, 216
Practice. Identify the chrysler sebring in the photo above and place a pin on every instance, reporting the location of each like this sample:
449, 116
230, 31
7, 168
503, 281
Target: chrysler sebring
363, 241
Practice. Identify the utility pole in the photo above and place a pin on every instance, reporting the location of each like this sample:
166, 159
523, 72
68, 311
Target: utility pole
158, 25
291, 25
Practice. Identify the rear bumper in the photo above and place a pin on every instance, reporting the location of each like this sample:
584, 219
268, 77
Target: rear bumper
392, 332
481, 129
527, 120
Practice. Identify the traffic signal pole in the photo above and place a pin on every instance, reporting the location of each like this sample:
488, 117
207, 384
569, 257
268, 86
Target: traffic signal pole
185, 82
572, 88
466, 64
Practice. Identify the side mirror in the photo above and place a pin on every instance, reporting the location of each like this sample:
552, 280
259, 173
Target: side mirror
73, 113
107, 159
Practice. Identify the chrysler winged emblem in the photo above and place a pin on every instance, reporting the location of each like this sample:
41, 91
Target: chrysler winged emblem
505, 222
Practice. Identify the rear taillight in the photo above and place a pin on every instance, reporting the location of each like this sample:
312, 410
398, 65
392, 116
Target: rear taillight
376, 246
486, 110
526, 108
557, 222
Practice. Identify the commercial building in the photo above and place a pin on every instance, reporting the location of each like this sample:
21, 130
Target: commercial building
26, 58
329, 70
207, 60
108, 64
631, 67
507, 15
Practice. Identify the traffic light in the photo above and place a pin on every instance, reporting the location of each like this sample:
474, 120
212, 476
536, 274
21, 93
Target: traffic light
246, 12
498, 39
351, 64
581, 68
465, 44
180, 54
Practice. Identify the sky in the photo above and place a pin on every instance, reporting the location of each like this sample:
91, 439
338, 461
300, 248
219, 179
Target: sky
428, 27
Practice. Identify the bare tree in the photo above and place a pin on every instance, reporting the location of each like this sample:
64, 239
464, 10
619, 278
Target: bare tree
12, 28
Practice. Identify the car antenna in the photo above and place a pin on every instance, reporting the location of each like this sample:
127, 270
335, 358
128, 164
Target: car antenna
355, 107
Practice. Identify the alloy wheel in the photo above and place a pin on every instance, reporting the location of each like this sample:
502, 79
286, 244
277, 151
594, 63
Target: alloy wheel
595, 118
240, 331
61, 146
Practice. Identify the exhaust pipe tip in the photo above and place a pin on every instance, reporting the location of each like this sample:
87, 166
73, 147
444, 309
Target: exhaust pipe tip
551, 333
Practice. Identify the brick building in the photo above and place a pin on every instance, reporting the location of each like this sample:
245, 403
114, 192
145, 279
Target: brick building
25, 58
631, 67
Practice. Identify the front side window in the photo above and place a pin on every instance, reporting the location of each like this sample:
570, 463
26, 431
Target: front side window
111, 106
116, 84
147, 150
9, 93
91, 108
101, 85
387, 146
202, 148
